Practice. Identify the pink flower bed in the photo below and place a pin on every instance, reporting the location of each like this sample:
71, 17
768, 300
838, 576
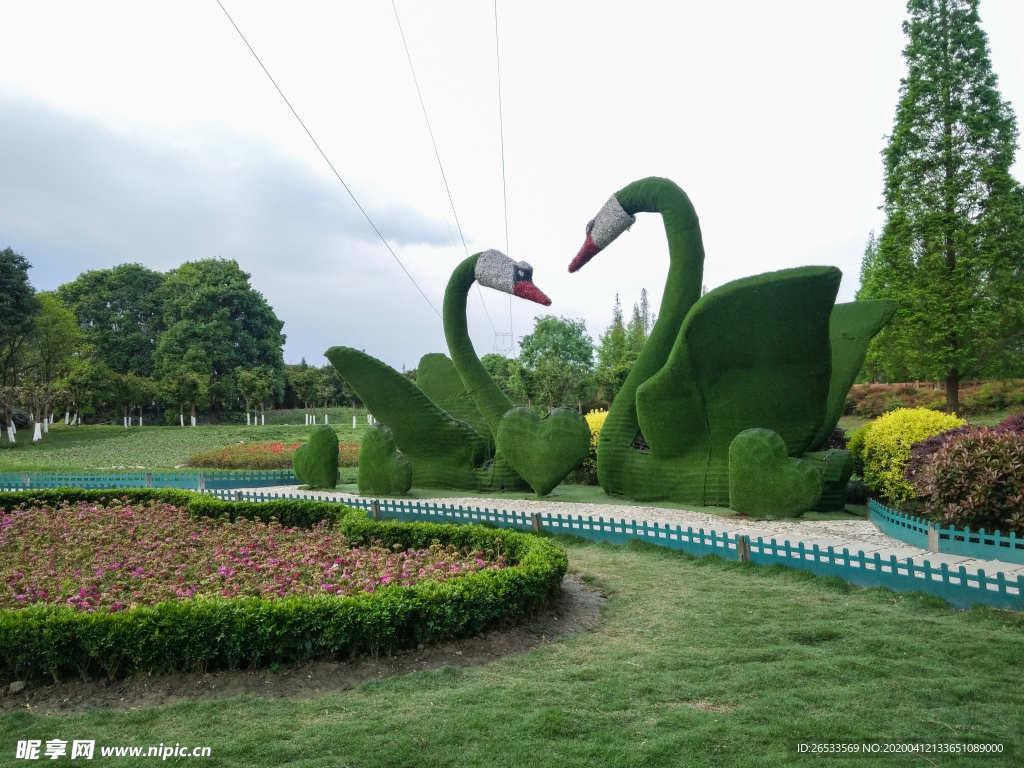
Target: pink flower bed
116, 556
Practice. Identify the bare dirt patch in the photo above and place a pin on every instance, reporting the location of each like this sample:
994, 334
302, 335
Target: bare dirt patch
576, 609
704, 705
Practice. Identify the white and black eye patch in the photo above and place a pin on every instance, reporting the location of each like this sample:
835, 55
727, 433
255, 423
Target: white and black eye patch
590, 226
523, 273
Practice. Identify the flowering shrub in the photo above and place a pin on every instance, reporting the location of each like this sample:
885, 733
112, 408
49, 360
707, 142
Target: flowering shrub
887, 447
348, 454
57, 641
264, 456
117, 556
975, 479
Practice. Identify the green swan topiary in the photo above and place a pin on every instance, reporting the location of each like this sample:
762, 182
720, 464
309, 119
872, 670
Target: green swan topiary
315, 462
771, 351
382, 470
447, 427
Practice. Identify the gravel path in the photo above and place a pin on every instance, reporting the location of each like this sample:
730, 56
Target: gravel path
862, 531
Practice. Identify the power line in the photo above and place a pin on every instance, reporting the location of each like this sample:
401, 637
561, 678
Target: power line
501, 129
501, 122
327, 159
437, 154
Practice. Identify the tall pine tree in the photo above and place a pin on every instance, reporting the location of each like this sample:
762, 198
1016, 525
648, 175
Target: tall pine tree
951, 249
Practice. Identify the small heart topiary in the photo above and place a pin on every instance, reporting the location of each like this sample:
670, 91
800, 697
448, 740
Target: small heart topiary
543, 451
315, 462
383, 471
765, 481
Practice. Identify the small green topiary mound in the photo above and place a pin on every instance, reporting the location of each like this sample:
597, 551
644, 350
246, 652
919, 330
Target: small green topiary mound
543, 451
315, 463
764, 480
383, 471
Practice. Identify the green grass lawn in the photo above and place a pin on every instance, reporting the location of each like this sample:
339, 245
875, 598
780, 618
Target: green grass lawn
74, 449
695, 663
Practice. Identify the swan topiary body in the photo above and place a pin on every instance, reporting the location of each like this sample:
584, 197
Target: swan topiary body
771, 351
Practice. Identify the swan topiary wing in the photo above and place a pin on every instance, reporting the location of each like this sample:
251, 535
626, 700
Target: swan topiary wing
443, 451
754, 353
851, 328
437, 377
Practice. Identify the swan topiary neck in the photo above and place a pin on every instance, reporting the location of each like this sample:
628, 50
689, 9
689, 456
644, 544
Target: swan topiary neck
479, 386
682, 290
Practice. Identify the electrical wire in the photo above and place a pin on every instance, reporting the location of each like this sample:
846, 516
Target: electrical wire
327, 159
501, 129
437, 154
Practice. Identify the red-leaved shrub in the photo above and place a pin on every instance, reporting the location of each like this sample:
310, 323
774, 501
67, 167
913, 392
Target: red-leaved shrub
1013, 424
975, 480
922, 450
264, 456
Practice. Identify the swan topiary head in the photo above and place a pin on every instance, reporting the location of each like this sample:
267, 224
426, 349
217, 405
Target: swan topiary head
496, 270
611, 221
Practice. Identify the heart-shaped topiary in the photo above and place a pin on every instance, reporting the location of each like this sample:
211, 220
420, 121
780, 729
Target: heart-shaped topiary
315, 462
764, 480
543, 451
383, 471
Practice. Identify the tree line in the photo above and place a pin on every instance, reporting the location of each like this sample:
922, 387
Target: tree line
560, 366
129, 342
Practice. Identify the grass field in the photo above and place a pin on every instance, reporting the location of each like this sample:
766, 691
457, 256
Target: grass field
72, 449
695, 663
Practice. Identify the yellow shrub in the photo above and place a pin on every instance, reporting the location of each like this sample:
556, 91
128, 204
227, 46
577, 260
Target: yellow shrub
595, 420
887, 447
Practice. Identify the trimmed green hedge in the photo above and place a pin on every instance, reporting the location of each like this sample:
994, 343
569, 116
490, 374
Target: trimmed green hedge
212, 633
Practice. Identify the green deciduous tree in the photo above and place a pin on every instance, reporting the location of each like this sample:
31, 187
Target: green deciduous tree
499, 368
952, 249
119, 312
560, 356
50, 348
18, 305
185, 385
215, 322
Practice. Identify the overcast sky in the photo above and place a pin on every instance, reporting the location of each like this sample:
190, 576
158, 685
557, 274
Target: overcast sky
146, 132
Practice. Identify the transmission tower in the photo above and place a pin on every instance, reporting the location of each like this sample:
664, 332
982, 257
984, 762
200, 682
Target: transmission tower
504, 343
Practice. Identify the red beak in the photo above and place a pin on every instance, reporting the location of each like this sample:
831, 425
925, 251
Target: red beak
587, 252
527, 290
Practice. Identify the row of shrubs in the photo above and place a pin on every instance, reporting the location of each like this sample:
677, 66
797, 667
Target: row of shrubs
870, 401
937, 466
264, 456
213, 633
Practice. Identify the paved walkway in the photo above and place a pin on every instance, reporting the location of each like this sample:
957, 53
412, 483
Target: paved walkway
853, 535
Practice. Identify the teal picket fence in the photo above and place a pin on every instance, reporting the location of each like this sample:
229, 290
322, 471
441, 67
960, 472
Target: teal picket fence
950, 540
959, 588
186, 480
